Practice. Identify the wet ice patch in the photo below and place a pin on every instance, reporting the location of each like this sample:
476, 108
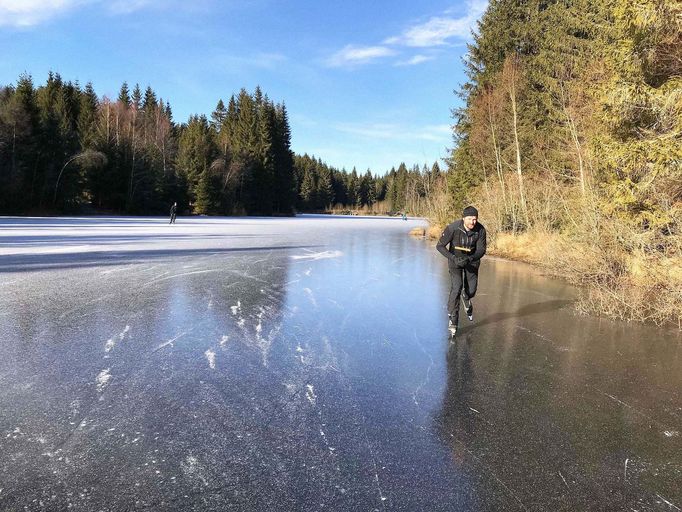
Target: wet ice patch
318, 255
103, 379
210, 356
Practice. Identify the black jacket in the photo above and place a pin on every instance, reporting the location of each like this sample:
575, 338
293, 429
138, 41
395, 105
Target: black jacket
473, 244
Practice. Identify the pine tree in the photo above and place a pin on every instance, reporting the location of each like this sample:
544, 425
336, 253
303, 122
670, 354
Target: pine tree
196, 151
124, 95
325, 190
87, 117
308, 189
285, 182
20, 116
218, 116
137, 97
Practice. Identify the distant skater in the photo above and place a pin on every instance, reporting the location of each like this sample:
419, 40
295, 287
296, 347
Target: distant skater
463, 243
173, 211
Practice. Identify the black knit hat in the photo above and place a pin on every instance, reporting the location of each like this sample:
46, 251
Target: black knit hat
470, 211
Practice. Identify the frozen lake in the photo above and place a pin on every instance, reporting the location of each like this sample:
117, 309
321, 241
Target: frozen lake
303, 364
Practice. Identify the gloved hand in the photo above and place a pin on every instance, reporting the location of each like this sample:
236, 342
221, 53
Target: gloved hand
461, 261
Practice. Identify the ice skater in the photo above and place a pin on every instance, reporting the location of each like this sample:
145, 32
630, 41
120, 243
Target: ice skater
463, 243
173, 211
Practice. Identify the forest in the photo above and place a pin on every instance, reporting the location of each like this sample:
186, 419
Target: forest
63, 149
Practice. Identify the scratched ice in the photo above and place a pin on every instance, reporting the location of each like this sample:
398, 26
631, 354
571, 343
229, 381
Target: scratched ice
304, 364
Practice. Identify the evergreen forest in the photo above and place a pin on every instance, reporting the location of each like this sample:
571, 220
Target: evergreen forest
63, 149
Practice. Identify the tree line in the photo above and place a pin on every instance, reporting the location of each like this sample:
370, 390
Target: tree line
322, 187
64, 149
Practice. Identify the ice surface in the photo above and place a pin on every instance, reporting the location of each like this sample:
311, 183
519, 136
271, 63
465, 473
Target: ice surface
304, 364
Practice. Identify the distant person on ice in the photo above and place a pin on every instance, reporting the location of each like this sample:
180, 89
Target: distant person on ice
463, 243
173, 211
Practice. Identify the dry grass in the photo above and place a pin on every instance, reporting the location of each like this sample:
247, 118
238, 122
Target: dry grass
433, 231
531, 247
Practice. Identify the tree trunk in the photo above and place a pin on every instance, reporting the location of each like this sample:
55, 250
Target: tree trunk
519, 174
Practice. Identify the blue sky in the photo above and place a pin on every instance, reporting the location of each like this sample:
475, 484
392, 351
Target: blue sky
366, 84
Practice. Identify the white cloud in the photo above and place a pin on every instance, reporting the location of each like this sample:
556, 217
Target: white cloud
28, 13
417, 59
439, 30
352, 55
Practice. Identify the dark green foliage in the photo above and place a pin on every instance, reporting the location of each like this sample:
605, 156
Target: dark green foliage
63, 148
320, 186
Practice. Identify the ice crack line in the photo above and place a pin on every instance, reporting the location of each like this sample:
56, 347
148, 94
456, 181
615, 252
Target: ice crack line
376, 478
615, 399
428, 370
671, 505
178, 275
170, 341
625, 473
374, 462
311, 297
318, 255
310, 394
544, 338
494, 476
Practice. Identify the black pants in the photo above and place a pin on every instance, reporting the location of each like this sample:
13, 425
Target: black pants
172, 219
465, 279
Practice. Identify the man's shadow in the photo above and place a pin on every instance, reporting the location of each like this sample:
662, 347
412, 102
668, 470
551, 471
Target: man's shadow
529, 309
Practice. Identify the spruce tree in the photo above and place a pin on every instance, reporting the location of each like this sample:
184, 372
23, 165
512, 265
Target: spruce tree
124, 95
87, 117
218, 116
136, 97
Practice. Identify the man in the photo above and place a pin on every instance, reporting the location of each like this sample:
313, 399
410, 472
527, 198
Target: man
173, 211
463, 243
